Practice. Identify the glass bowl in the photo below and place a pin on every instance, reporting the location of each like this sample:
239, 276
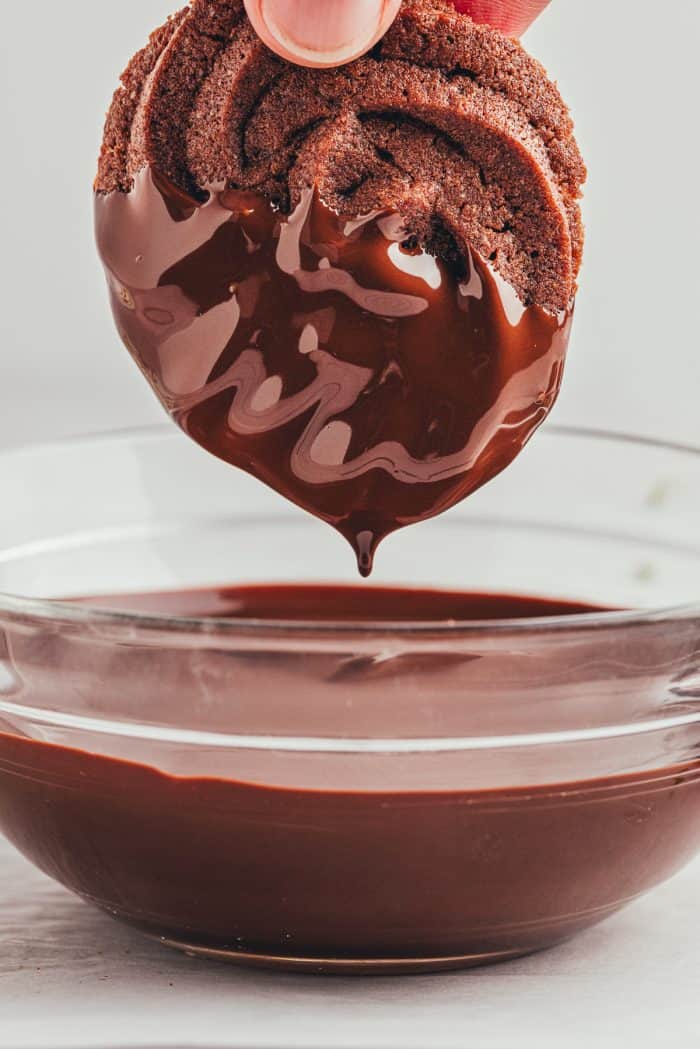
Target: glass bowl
367, 797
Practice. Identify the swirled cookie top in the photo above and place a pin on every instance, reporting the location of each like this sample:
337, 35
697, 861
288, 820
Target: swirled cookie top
448, 123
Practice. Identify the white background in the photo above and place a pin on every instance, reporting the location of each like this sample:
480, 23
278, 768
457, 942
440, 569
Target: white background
629, 69
70, 977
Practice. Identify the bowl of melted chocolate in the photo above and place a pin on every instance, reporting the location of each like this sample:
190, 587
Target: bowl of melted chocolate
212, 730
355, 285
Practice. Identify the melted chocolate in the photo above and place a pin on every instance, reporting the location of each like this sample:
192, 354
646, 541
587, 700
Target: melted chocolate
298, 857
339, 604
358, 376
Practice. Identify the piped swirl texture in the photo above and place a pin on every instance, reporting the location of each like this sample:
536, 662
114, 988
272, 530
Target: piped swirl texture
448, 123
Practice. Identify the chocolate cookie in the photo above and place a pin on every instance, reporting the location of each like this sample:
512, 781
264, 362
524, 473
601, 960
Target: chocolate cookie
446, 122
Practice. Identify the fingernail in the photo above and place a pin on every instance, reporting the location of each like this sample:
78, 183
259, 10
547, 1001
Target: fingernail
321, 33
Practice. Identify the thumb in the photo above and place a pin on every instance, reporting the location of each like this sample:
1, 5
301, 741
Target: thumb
511, 16
321, 32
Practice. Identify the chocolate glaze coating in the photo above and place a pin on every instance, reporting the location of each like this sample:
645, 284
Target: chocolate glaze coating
358, 377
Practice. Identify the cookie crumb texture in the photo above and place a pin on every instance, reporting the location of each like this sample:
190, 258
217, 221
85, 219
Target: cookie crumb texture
449, 123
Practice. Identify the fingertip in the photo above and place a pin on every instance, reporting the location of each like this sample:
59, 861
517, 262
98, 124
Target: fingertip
513, 17
321, 33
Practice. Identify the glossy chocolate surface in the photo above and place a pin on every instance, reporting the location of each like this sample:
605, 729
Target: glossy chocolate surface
339, 604
360, 377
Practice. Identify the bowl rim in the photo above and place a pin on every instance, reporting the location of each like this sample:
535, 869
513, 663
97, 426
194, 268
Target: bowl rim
65, 612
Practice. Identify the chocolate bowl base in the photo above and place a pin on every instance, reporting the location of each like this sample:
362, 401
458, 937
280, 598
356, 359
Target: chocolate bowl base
371, 881
544, 936
346, 966
541, 936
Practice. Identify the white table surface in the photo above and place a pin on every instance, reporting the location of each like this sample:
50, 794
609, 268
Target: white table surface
71, 977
